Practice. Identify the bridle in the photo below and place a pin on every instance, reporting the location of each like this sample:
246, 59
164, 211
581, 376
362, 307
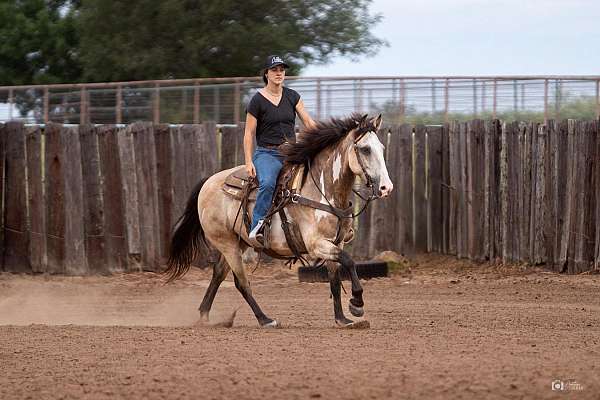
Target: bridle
288, 196
369, 181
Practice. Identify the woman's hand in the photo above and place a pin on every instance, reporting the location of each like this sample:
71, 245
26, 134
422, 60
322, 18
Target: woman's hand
250, 169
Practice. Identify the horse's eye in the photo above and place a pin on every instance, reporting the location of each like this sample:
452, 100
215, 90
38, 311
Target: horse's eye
365, 150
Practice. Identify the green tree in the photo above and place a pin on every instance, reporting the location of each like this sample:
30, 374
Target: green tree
150, 39
38, 42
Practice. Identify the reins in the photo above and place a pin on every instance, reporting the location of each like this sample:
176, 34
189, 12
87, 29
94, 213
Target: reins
287, 197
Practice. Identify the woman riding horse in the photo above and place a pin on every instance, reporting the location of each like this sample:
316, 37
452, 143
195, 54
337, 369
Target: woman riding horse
334, 153
271, 116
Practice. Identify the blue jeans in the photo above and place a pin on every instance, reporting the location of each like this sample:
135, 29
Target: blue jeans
268, 163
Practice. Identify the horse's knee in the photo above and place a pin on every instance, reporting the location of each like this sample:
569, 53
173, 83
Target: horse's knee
345, 259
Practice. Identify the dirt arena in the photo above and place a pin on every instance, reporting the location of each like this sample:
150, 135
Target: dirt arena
440, 329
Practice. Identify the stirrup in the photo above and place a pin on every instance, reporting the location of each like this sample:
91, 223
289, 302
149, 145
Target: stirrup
256, 237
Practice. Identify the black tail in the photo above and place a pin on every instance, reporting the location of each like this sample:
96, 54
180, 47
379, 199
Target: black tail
187, 238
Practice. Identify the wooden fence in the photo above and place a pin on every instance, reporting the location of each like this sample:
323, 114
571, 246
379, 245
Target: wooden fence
101, 199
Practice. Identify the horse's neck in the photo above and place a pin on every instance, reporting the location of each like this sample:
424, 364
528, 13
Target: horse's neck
331, 171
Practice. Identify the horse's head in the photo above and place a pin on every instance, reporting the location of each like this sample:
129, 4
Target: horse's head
366, 156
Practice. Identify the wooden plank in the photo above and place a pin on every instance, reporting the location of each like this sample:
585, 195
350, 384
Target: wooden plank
95, 238
536, 226
576, 238
115, 228
55, 201
492, 239
583, 232
479, 190
240, 158
420, 191
526, 134
570, 216
505, 200
446, 191
3, 133
475, 189
563, 168
37, 210
518, 189
75, 252
589, 197
596, 133
16, 231
463, 227
550, 195
145, 167
381, 224
362, 227
230, 150
404, 170
454, 172
162, 140
193, 154
435, 190
207, 147
180, 189
130, 192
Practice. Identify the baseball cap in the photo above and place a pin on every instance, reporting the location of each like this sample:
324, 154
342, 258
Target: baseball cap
273, 61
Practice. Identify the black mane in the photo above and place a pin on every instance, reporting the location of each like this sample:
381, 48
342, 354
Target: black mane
326, 133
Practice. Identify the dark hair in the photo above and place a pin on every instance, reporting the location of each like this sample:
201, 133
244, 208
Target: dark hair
263, 73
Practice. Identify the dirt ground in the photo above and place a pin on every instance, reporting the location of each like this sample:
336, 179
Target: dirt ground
441, 329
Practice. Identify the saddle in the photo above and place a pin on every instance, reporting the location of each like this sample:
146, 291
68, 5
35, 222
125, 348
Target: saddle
243, 188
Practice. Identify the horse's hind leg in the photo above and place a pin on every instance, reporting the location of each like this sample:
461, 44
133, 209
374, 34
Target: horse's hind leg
220, 271
234, 258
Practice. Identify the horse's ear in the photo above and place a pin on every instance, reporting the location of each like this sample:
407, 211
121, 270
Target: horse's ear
378, 122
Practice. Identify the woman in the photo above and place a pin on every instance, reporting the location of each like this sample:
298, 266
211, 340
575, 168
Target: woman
271, 117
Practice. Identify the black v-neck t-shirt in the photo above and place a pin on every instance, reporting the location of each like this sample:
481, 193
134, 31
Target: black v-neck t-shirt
274, 124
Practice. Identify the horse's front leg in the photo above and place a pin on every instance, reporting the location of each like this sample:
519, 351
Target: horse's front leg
355, 305
326, 250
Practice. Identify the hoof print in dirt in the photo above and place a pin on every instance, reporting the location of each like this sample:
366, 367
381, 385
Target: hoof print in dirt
364, 324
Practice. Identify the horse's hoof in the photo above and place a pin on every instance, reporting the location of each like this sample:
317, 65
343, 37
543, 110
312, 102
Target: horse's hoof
356, 311
363, 324
203, 317
272, 324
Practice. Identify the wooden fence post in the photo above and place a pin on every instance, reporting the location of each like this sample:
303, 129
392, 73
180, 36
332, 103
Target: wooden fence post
162, 141
36, 201
75, 249
550, 194
95, 237
475, 189
129, 183
404, 169
147, 181
419, 193
15, 229
113, 198
435, 189
564, 166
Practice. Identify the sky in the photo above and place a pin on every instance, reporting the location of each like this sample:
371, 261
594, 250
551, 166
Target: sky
470, 37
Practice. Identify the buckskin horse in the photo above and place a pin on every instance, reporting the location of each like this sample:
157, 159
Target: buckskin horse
333, 153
